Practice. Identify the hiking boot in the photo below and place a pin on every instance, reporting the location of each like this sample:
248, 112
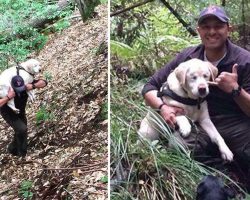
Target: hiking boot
22, 144
18, 147
12, 148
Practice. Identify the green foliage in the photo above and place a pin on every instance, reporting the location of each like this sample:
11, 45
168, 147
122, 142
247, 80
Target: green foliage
62, 24
148, 53
43, 115
150, 45
143, 39
104, 179
122, 50
104, 1
17, 37
48, 76
148, 171
25, 189
4, 61
147, 37
104, 111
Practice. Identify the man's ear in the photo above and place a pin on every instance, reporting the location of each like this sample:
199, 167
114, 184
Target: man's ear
231, 29
198, 29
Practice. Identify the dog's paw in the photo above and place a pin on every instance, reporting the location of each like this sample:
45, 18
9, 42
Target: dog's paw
17, 111
185, 129
226, 154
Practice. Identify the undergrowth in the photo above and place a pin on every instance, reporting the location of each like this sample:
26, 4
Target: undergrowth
140, 170
18, 38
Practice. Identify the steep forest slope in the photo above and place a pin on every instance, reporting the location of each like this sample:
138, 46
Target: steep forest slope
67, 153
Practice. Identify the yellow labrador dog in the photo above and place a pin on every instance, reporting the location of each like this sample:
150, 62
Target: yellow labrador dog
27, 70
187, 87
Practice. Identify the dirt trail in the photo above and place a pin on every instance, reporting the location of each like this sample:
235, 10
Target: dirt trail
67, 154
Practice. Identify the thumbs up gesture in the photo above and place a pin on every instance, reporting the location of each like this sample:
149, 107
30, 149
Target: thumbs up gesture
228, 81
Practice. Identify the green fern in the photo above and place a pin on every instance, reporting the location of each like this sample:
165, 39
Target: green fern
122, 50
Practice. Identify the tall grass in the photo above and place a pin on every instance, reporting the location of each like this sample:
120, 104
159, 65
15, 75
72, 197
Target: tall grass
147, 170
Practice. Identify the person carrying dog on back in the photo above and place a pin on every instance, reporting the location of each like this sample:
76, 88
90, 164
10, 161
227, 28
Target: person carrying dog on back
229, 97
18, 121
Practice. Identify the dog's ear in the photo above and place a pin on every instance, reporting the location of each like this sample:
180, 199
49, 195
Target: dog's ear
181, 72
213, 71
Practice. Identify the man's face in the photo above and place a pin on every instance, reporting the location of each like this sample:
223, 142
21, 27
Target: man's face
213, 33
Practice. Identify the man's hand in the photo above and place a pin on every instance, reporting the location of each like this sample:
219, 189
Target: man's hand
228, 81
29, 86
38, 84
169, 113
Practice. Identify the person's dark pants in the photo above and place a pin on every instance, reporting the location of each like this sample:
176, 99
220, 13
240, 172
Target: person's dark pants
236, 132
18, 122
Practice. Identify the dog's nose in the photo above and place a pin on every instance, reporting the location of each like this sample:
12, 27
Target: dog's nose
202, 90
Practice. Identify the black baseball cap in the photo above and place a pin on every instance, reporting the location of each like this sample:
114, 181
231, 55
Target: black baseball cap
216, 11
17, 83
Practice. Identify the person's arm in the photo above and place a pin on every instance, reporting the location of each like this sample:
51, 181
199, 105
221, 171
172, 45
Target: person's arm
36, 84
9, 96
167, 112
243, 101
227, 82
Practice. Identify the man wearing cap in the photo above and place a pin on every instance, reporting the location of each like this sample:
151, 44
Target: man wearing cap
229, 98
18, 121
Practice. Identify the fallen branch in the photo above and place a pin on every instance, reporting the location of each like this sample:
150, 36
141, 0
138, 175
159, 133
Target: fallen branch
31, 162
74, 16
74, 197
96, 186
91, 165
40, 23
73, 168
4, 191
130, 8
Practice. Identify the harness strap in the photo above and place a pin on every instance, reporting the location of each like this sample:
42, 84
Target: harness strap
20, 67
166, 91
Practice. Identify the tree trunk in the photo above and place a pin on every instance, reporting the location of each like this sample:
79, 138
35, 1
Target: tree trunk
223, 3
86, 7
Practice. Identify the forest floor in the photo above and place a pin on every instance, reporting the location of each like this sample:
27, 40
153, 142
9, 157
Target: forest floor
67, 124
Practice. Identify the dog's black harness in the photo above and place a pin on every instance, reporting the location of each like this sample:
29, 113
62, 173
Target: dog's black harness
19, 67
166, 91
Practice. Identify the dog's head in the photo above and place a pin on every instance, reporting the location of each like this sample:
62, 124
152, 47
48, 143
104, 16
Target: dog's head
193, 76
32, 65
212, 188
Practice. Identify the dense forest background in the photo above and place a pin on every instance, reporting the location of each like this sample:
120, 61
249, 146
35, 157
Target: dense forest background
149, 33
144, 36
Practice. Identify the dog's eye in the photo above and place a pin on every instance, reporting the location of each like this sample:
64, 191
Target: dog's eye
205, 75
194, 77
